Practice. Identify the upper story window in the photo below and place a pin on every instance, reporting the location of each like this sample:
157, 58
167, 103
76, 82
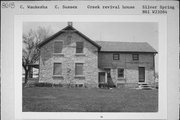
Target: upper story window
120, 72
115, 56
79, 69
58, 46
79, 47
135, 56
57, 69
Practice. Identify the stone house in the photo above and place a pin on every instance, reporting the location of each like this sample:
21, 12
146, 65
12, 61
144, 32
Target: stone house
70, 57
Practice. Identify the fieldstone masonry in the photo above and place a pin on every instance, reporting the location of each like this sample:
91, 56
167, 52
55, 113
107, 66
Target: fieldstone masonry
68, 58
94, 61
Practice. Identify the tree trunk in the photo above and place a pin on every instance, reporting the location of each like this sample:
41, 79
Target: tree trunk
30, 74
26, 77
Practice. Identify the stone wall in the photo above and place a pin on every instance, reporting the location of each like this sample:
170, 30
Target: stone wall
68, 58
131, 75
93, 62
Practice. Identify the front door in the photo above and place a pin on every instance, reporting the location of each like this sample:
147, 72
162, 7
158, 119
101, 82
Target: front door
141, 74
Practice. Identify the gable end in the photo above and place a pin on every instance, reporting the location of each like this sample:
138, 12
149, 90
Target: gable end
67, 29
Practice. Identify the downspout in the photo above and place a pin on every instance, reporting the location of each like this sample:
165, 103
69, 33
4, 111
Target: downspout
154, 65
39, 64
125, 69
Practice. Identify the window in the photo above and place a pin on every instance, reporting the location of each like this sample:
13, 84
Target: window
115, 56
79, 47
58, 45
79, 69
120, 72
57, 70
135, 56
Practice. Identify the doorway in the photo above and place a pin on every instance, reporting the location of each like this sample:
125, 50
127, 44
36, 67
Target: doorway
141, 74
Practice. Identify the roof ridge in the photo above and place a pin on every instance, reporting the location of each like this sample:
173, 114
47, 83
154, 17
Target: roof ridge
112, 46
121, 41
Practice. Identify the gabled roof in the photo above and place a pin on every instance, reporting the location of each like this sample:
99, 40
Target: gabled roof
106, 46
68, 28
126, 47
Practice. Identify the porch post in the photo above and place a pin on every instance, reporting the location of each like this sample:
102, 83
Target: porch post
105, 77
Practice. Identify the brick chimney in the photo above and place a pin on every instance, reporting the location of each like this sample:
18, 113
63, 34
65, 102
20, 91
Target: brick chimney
70, 23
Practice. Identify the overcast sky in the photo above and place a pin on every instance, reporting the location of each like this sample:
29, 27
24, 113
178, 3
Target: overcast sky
108, 31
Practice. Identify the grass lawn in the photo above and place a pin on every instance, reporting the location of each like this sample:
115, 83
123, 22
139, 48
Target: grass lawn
44, 99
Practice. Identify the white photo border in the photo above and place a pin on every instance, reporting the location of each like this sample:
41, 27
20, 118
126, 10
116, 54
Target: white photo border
162, 37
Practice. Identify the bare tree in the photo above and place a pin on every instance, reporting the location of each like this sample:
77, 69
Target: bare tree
30, 49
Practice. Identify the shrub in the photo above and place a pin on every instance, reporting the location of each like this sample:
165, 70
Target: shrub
103, 85
57, 85
43, 85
